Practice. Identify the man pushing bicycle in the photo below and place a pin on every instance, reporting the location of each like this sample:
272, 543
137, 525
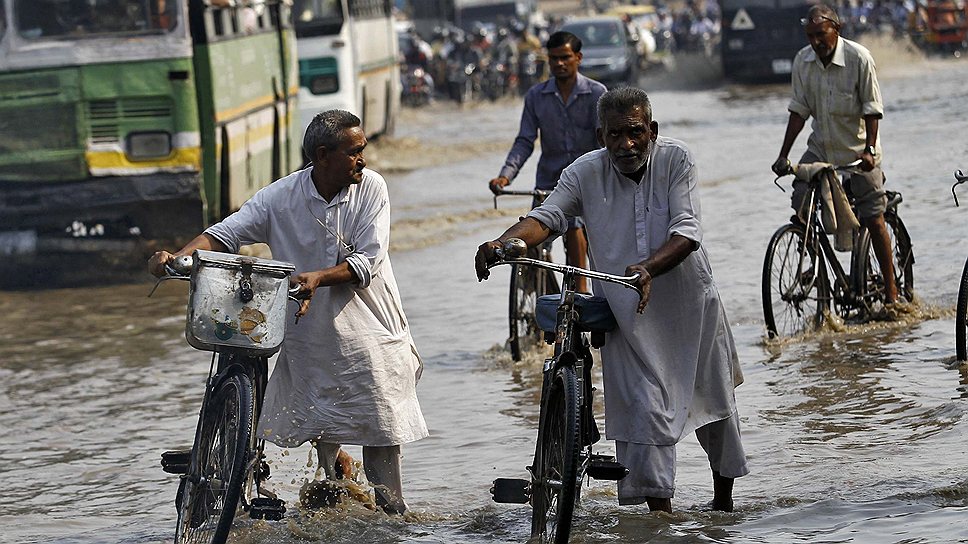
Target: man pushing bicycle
348, 372
671, 366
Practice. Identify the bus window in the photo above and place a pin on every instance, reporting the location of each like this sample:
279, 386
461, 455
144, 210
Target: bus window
38, 19
317, 17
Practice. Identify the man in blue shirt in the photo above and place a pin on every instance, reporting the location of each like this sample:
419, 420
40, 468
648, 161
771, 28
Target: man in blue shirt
563, 111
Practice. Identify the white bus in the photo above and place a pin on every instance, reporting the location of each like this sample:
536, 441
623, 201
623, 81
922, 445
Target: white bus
347, 52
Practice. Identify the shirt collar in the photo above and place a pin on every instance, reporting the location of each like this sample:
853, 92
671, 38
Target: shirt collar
582, 86
341, 197
838, 59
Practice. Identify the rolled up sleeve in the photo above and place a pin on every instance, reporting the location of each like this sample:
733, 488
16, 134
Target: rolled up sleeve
249, 225
372, 239
798, 102
684, 209
868, 89
564, 202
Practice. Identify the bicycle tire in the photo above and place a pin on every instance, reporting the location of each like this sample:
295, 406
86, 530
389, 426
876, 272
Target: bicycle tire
553, 504
961, 317
219, 459
868, 281
792, 305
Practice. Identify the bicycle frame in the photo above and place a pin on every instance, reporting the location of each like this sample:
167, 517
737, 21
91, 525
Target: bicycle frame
571, 354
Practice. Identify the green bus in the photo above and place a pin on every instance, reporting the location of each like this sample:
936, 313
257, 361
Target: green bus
129, 125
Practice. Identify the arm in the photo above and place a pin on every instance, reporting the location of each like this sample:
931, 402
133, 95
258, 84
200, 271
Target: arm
673, 252
327, 277
156, 264
522, 149
795, 124
871, 123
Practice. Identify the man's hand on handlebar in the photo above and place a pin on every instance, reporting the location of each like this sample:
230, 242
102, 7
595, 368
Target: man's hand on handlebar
782, 166
498, 183
486, 254
644, 284
866, 161
307, 282
157, 262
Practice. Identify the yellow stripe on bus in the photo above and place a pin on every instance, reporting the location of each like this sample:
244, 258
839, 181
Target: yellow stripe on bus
181, 157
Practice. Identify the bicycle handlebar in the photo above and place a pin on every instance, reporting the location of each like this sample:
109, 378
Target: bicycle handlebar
514, 248
180, 268
836, 168
540, 193
961, 177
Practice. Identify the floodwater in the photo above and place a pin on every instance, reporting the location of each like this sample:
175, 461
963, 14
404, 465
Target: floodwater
852, 436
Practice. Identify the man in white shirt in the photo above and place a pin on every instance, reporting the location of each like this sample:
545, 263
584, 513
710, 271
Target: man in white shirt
347, 373
834, 80
671, 366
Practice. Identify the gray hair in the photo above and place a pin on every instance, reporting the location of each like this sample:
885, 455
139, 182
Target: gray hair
622, 100
326, 130
823, 11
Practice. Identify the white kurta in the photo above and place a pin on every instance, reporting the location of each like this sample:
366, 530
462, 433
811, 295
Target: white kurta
672, 369
347, 372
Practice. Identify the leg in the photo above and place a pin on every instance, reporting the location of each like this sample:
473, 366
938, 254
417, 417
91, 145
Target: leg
382, 467
576, 250
329, 455
724, 447
881, 241
652, 474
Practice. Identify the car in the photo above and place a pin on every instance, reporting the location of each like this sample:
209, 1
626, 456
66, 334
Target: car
609, 49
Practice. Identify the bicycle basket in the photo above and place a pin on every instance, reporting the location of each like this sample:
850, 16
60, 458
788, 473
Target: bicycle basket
594, 315
237, 303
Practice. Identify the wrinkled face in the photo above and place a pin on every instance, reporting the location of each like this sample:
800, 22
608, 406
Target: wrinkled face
628, 136
822, 35
563, 62
344, 165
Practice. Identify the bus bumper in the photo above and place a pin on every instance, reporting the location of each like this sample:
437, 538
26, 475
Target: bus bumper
110, 224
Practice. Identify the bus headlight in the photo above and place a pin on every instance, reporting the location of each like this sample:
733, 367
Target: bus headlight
326, 84
148, 145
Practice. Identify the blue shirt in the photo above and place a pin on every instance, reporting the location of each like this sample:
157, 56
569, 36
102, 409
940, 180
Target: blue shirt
567, 130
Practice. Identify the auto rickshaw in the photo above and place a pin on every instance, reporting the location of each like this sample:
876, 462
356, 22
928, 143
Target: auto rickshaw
940, 26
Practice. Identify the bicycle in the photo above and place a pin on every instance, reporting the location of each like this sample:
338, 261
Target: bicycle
563, 455
797, 286
961, 312
527, 285
236, 310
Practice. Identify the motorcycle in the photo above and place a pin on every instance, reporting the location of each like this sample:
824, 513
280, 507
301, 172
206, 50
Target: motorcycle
417, 87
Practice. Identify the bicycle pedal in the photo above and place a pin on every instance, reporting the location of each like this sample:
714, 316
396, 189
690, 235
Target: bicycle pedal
511, 491
176, 461
266, 508
605, 467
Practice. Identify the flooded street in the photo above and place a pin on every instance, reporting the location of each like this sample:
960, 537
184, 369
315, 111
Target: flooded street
853, 436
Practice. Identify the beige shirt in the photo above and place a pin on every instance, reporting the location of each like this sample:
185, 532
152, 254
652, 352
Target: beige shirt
838, 96
671, 369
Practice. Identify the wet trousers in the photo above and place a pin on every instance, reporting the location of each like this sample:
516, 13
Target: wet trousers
381, 465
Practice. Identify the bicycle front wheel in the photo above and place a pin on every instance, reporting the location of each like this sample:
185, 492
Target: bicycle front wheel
209, 493
527, 284
555, 484
961, 319
866, 270
794, 284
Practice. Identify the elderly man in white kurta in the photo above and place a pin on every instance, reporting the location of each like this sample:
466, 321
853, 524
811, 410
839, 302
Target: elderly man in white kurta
347, 372
670, 368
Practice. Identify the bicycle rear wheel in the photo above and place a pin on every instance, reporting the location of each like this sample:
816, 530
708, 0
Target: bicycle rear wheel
961, 318
866, 270
209, 493
555, 484
795, 292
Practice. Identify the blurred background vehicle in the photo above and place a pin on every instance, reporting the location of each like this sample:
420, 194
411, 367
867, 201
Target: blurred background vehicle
609, 49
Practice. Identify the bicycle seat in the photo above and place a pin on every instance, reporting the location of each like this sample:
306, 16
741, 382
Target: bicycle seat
594, 315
